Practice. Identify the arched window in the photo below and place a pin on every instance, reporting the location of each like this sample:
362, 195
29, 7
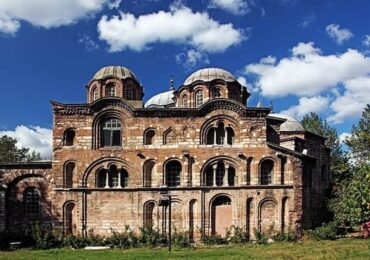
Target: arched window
69, 225
148, 173
31, 197
124, 178
113, 177
95, 94
101, 177
185, 101
173, 170
110, 90
231, 176
220, 135
149, 136
148, 214
267, 167
219, 175
68, 174
199, 98
130, 93
69, 137
216, 93
111, 132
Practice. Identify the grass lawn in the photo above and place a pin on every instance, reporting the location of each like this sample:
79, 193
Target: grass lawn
339, 249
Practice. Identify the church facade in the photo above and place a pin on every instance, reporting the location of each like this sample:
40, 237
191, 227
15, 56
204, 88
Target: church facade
223, 163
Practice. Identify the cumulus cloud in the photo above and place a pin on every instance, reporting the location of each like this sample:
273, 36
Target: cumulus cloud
36, 138
191, 58
307, 72
353, 100
337, 34
89, 43
178, 25
306, 105
237, 7
47, 13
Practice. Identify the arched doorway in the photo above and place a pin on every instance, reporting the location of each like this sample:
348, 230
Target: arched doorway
70, 223
268, 215
221, 215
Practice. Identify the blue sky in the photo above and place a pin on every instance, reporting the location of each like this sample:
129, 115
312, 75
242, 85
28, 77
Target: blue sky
304, 56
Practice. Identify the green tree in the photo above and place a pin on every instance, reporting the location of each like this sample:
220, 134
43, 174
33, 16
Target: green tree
9, 152
351, 204
359, 141
339, 166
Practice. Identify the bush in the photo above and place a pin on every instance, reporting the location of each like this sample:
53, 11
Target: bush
75, 241
237, 235
214, 240
260, 237
151, 237
44, 239
181, 239
325, 232
289, 236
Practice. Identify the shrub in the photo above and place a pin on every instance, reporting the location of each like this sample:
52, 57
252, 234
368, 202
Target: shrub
238, 236
214, 240
181, 239
289, 236
151, 237
94, 240
260, 237
75, 241
325, 232
44, 239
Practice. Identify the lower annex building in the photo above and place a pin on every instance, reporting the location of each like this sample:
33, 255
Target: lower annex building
225, 163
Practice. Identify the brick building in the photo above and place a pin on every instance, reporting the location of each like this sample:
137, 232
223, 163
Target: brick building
225, 163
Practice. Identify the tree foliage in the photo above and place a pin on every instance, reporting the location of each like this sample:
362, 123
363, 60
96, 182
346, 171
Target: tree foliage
9, 152
359, 141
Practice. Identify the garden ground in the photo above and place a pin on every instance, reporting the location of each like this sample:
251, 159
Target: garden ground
338, 249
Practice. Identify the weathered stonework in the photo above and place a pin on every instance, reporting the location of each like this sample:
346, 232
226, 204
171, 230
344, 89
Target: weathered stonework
213, 159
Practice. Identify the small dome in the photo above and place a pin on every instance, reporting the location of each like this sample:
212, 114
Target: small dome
290, 125
161, 100
114, 71
209, 74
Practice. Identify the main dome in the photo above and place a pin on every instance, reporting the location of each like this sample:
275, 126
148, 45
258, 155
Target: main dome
209, 74
114, 71
290, 125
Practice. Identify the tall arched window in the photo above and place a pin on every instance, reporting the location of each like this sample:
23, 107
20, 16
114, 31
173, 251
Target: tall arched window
199, 98
219, 174
95, 94
69, 137
110, 90
113, 177
148, 173
111, 132
173, 171
149, 135
101, 177
220, 135
68, 174
185, 101
267, 167
130, 93
31, 197
148, 214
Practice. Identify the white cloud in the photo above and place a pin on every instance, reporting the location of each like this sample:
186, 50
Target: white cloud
48, 13
237, 7
179, 25
337, 34
89, 43
243, 81
8, 25
307, 72
343, 136
366, 41
192, 58
36, 138
353, 100
306, 105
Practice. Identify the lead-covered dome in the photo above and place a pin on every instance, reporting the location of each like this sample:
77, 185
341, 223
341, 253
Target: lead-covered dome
114, 71
164, 99
290, 125
209, 74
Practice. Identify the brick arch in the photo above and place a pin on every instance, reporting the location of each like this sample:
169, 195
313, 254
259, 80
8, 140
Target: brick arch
15, 177
221, 216
233, 162
105, 162
215, 120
